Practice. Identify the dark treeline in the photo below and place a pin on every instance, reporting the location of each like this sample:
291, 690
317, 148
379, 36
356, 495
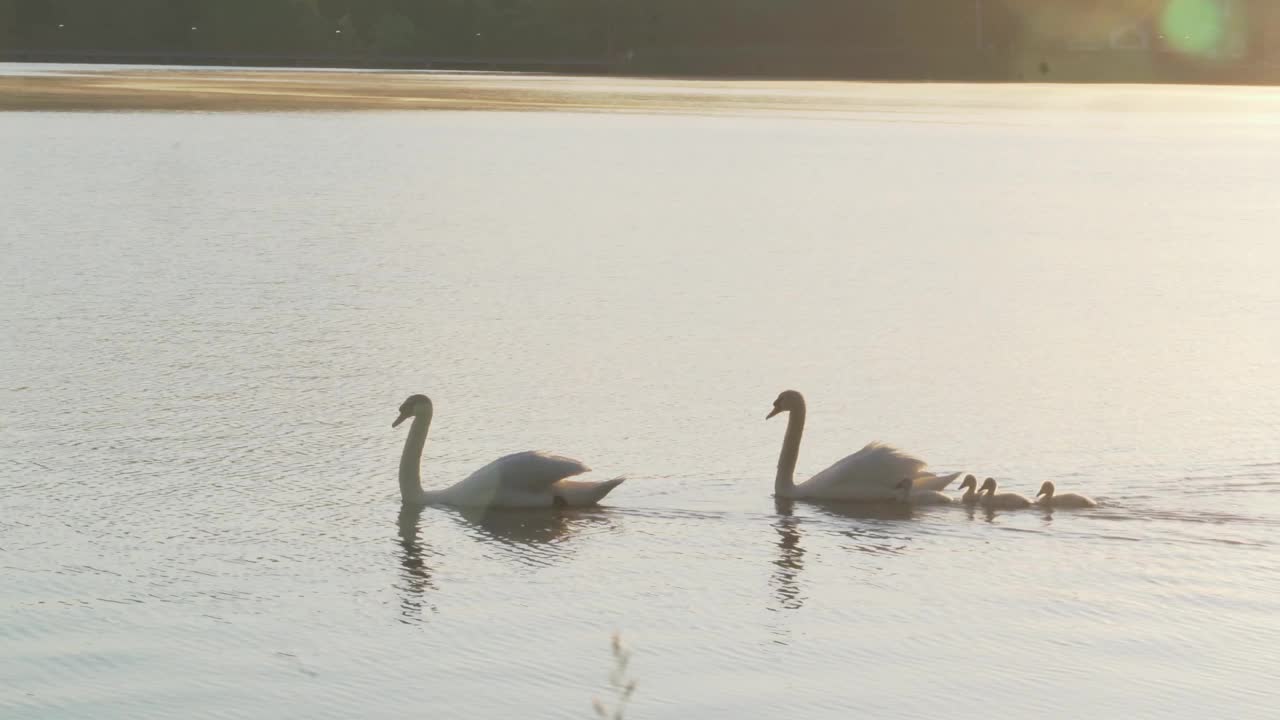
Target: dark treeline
446, 27
556, 28
920, 38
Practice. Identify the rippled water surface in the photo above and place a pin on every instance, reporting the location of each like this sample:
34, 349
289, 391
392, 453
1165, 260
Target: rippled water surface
209, 321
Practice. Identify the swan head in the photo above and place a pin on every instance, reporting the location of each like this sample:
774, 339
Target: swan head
988, 484
1046, 489
414, 406
787, 401
969, 482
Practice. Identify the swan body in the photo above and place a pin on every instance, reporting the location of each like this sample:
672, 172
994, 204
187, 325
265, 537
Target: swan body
970, 487
1048, 497
870, 475
992, 499
529, 479
909, 495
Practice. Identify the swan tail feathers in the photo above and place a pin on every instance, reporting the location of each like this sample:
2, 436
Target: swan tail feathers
607, 486
577, 494
930, 481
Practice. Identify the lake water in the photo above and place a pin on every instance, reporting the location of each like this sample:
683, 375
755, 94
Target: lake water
209, 321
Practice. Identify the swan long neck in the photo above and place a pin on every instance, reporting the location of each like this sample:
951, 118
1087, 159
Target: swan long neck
785, 483
411, 460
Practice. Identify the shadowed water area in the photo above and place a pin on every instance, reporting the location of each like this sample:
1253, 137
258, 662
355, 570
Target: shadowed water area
210, 320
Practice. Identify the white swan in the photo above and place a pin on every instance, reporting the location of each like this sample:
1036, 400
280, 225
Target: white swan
920, 497
522, 480
970, 487
1047, 497
871, 474
992, 499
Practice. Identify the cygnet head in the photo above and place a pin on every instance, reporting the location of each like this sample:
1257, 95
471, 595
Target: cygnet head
788, 400
1046, 489
413, 406
969, 482
988, 484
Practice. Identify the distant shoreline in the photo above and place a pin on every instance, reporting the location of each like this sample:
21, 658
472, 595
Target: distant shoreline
311, 61
86, 88
746, 63
250, 90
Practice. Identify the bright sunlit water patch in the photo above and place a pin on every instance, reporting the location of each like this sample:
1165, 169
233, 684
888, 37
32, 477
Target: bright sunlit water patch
210, 320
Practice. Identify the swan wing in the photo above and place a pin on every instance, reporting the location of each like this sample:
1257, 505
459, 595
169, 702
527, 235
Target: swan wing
929, 497
872, 473
531, 471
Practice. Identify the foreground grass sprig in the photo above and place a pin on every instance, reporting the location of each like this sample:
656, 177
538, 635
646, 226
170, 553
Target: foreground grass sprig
620, 685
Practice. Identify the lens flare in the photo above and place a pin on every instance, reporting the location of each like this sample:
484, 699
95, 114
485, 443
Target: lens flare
1195, 27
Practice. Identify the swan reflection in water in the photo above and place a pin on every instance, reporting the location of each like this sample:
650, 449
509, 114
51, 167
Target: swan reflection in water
540, 531
790, 558
415, 576
531, 537
874, 537
880, 532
